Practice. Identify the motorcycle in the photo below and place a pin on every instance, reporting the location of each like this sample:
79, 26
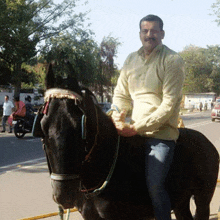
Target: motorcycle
22, 125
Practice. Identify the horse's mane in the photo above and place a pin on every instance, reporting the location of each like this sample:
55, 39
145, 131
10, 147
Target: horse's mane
91, 94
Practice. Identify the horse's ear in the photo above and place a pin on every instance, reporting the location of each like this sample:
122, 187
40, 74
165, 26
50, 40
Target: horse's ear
50, 79
73, 84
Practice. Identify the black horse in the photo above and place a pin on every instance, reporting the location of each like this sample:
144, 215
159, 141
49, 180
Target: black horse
102, 174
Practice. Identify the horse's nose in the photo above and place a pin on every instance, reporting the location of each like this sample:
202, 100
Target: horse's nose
64, 193
65, 204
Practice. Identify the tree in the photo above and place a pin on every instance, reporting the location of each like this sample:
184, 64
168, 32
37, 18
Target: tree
198, 70
202, 67
5, 73
213, 56
79, 49
93, 65
25, 24
107, 72
215, 8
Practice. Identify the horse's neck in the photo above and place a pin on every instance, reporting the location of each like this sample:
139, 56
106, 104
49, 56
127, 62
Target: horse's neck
104, 142
107, 129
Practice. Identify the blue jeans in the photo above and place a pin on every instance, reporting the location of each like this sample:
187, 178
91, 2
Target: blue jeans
159, 155
4, 120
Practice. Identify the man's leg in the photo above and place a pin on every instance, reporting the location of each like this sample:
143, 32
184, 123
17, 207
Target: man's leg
4, 119
159, 155
10, 127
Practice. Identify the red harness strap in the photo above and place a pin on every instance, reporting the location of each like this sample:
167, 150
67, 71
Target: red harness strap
45, 110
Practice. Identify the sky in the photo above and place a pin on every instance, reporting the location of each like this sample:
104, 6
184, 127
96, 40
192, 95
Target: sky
186, 22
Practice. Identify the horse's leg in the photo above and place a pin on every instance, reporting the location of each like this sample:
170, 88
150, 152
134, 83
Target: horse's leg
202, 201
182, 209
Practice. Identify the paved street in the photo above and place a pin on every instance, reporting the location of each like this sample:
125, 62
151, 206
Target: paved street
14, 150
25, 183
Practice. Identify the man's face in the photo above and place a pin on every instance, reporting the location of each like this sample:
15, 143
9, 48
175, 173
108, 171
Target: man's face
6, 98
151, 35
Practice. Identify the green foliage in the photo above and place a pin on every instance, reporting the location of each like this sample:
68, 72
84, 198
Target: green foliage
108, 50
107, 69
79, 49
25, 24
93, 65
213, 56
35, 31
202, 69
216, 11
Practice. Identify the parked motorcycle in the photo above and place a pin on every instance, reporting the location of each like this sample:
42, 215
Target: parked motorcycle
22, 125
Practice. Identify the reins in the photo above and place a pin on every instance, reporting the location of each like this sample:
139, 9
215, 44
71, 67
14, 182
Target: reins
96, 136
96, 192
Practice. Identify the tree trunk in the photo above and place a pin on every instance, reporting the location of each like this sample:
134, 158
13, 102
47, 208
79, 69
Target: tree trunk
101, 93
17, 79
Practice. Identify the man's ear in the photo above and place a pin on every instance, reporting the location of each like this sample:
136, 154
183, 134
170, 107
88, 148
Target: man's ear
163, 34
140, 35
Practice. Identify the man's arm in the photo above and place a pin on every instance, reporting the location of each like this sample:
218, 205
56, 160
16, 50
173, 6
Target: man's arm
122, 98
12, 105
172, 94
123, 101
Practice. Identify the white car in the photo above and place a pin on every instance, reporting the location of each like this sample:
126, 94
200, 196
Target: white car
215, 114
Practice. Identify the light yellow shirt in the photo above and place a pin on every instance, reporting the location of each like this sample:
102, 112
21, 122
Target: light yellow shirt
152, 89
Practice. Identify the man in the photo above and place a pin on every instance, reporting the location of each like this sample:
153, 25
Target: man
150, 84
20, 108
7, 110
29, 110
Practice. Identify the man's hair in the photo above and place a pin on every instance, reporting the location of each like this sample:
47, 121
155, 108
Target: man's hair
16, 98
152, 18
7, 96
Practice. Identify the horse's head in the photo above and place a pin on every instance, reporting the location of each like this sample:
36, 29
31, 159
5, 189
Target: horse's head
70, 125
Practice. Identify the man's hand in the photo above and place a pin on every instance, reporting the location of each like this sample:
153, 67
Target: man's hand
124, 129
119, 116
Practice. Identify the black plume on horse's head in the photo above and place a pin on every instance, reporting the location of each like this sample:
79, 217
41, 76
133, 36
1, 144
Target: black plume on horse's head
70, 82
50, 79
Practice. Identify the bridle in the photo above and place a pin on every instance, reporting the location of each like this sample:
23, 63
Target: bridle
63, 94
67, 94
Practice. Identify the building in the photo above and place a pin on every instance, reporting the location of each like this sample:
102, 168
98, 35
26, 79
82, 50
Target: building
193, 100
37, 98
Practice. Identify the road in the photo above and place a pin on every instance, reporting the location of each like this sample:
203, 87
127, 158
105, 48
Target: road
192, 119
15, 151
202, 122
25, 183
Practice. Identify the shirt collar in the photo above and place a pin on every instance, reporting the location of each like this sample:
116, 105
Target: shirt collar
141, 50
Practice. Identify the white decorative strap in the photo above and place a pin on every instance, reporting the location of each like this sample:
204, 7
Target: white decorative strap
61, 94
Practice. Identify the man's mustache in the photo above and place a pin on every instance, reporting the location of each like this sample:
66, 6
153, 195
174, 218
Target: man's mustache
151, 38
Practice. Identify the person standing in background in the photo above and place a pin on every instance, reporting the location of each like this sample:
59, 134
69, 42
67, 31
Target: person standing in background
7, 111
